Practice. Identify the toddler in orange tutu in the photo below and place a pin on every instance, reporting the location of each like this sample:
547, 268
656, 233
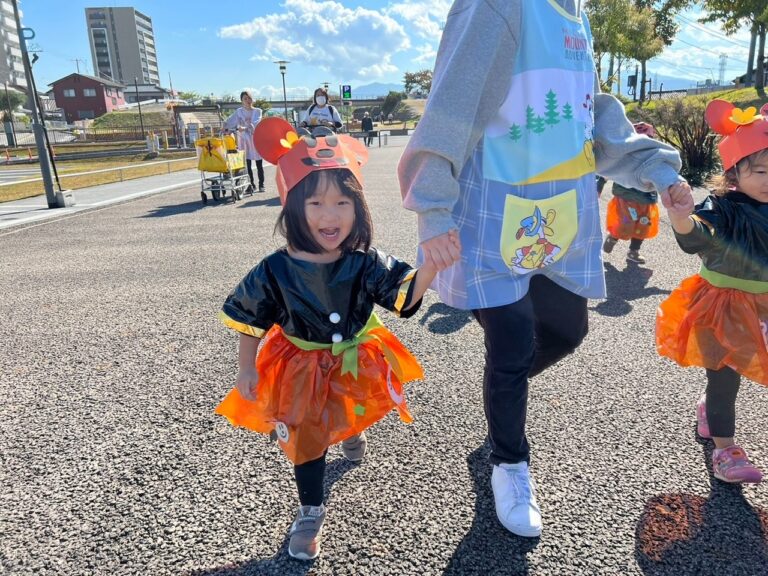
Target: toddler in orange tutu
632, 214
326, 368
718, 319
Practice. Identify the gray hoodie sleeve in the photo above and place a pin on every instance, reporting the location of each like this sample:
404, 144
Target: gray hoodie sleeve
632, 160
469, 85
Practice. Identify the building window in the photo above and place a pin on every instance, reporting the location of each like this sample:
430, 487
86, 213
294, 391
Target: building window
114, 101
69, 92
89, 92
85, 114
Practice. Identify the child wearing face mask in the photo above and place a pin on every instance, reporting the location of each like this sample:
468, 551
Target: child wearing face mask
321, 113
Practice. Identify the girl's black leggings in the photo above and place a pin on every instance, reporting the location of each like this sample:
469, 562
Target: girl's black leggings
309, 481
722, 388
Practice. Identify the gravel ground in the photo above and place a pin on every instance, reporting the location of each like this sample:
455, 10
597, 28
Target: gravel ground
112, 461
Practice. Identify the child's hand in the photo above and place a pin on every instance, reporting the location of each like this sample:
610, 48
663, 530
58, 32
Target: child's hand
442, 251
247, 382
678, 200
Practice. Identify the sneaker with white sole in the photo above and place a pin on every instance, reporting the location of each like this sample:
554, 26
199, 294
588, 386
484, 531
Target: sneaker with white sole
514, 493
305, 532
354, 447
732, 465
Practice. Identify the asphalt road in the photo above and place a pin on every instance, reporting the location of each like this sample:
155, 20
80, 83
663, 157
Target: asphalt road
112, 461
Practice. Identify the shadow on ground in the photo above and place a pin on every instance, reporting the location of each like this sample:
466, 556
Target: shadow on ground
444, 319
625, 286
720, 535
488, 548
270, 201
281, 564
179, 209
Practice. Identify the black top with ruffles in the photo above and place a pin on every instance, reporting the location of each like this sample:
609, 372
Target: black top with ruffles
317, 302
730, 235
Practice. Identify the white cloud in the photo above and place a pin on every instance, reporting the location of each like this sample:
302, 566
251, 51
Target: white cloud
351, 42
424, 17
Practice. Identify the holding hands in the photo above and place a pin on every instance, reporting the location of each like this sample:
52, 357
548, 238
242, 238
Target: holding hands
442, 251
678, 200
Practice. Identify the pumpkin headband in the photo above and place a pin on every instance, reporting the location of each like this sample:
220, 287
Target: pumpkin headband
743, 132
297, 156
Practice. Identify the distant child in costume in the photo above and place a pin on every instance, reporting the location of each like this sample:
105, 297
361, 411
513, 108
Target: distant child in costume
632, 214
718, 319
327, 368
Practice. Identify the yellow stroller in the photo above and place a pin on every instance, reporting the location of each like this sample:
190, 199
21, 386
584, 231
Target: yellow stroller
221, 157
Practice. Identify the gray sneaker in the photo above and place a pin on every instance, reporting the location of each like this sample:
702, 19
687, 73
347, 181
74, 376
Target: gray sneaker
354, 447
305, 532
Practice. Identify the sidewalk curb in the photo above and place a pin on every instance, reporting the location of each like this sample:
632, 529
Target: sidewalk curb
53, 215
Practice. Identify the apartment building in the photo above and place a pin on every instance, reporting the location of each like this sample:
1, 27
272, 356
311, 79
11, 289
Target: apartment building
122, 45
11, 65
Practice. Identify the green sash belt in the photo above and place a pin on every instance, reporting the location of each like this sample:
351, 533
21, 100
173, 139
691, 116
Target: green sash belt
348, 348
722, 281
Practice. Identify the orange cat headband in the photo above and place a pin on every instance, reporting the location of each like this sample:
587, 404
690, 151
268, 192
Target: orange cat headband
744, 132
296, 157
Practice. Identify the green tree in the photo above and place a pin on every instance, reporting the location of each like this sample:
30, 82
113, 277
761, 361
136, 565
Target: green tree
567, 112
391, 102
421, 80
190, 97
733, 14
552, 115
607, 19
665, 28
16, 99
538, 124
515, 132
530, 118
642, 42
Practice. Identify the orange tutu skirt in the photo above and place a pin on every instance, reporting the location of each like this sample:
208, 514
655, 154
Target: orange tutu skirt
627, 219
303, 398
702, 325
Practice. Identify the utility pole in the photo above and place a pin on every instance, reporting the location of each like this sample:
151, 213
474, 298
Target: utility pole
138, 101
77, 63
42, 153
10, 117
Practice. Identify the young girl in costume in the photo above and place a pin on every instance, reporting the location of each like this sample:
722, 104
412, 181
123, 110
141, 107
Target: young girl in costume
326, 368
632, 214
717, 319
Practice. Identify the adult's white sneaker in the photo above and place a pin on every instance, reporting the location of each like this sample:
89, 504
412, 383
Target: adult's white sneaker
514, 492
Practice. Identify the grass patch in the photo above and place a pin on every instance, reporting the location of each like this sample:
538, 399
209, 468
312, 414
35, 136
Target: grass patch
137, 170
131, 119
741, 97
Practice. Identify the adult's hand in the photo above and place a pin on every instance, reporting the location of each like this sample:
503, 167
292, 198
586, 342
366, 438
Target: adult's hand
442, 251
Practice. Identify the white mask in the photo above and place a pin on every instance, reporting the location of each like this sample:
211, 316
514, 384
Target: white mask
320, 100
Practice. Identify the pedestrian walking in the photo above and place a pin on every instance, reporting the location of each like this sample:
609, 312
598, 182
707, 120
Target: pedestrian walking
510, 166
243, 122
367, 127
718, 318
326, 367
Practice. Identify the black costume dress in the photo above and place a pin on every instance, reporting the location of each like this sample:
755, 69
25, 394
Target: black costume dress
719, 317
327, 368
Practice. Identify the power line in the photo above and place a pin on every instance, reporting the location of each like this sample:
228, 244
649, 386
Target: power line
715, 33
706, 50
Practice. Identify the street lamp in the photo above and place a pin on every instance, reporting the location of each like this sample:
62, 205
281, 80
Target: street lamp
282, 64
138, 101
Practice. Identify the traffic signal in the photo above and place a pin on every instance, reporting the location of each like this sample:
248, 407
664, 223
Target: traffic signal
346, 92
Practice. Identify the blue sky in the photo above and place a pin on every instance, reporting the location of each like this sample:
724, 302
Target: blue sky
225, 47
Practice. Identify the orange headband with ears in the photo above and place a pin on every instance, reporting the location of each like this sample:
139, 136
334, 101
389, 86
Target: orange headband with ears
744, 132
296, 157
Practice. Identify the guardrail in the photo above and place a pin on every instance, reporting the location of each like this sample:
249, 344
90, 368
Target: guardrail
119, 169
